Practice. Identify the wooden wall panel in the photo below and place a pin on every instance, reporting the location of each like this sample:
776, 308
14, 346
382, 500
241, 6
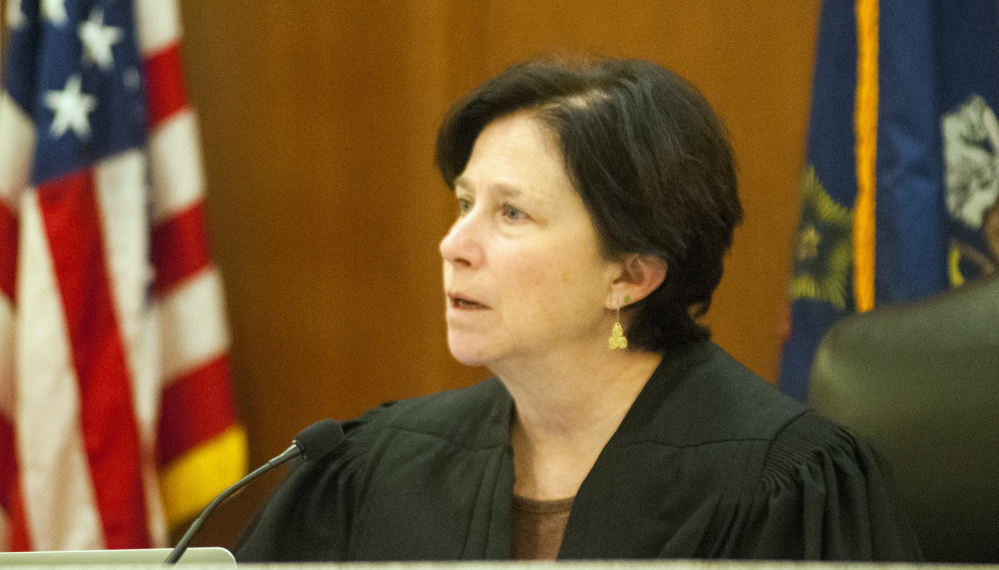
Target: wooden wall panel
318, 121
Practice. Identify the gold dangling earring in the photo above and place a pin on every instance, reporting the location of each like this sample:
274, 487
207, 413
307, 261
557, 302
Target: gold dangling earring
617, 338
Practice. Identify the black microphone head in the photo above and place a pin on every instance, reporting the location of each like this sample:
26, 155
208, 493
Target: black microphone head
319, 439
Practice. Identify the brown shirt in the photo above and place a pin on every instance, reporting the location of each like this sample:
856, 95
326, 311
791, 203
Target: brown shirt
536, 527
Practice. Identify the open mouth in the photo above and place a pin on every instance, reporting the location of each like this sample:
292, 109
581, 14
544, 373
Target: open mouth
459, 303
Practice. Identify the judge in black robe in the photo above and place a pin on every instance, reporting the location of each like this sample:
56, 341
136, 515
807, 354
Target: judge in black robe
588, 196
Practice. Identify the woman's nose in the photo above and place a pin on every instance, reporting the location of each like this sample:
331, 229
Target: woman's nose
462, 244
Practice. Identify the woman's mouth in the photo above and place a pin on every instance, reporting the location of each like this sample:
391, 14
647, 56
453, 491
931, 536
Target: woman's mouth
462, 303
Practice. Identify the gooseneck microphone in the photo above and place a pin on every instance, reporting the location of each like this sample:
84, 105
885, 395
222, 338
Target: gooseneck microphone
311, 443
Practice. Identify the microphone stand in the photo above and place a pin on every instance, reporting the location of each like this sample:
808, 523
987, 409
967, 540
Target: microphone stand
292, 452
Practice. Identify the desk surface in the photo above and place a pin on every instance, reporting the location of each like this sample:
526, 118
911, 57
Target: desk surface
562, 565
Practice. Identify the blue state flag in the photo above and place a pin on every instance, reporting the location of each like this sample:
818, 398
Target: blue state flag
900, 190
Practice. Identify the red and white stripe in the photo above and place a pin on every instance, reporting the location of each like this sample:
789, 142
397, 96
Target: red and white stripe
197, 405
16, 142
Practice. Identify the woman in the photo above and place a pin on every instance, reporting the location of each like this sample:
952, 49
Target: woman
595, 205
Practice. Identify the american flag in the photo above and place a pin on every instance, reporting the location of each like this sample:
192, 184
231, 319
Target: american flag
116, 412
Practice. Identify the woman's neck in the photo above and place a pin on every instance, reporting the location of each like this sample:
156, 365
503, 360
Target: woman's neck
565, 415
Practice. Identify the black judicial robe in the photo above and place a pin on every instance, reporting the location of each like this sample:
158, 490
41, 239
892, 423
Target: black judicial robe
709, 462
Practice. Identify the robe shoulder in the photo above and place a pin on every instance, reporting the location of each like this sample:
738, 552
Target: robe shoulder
411, 464
714, 462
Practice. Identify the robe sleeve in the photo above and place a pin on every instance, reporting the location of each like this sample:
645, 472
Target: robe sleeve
826, 494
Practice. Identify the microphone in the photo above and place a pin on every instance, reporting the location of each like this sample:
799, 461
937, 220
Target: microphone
311, 443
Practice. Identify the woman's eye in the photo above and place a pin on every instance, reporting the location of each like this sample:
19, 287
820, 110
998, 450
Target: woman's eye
464, 205
512, 213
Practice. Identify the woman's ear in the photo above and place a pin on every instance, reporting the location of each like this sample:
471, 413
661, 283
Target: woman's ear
640, 275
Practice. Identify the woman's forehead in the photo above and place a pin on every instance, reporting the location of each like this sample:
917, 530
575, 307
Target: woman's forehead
511, 151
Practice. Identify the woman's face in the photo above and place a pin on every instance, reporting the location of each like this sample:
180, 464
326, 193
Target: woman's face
523, 270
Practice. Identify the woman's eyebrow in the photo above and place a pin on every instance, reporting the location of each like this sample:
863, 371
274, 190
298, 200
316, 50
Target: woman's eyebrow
502, 189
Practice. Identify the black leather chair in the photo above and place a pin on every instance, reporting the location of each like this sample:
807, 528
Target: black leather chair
922, 381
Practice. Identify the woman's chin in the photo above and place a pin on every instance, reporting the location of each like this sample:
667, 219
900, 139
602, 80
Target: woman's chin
468, 354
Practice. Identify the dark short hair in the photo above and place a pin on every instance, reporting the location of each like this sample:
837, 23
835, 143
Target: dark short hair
649, 158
